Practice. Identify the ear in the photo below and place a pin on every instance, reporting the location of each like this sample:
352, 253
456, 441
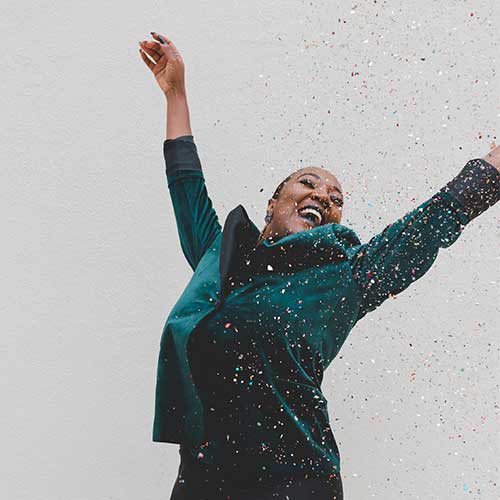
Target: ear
270, 206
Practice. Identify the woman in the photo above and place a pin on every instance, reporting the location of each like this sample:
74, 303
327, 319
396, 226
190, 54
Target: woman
244, 349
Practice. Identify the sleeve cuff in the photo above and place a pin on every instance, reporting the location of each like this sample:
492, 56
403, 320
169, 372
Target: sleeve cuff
476, 187
184, 138
181, 154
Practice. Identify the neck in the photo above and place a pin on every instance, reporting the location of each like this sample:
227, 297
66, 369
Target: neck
263, 237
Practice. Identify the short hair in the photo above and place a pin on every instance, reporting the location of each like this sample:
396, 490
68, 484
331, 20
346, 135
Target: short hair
284, 181
281, 184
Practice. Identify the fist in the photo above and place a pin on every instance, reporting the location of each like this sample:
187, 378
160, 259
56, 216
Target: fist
162, 57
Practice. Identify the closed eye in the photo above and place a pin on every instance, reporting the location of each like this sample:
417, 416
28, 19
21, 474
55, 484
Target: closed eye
308, 183
338, 201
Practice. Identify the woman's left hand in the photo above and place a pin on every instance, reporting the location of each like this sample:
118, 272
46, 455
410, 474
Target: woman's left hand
493, 157
168, 66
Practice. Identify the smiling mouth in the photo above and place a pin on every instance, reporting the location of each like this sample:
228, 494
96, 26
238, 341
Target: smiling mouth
311, 215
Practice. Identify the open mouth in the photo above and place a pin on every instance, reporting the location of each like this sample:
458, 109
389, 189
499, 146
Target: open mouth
311, 214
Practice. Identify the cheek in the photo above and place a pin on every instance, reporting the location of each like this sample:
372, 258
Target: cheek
287, 217
290, 207
295, 192
335, 214
288, 203
339, 214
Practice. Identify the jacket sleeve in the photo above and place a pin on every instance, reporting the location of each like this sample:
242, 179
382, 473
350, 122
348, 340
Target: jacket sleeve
405, 250
197, 222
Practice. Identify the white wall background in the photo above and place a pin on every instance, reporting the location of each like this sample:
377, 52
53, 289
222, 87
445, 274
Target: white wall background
393, 97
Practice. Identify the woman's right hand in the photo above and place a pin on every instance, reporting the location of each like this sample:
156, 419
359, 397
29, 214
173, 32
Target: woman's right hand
168, 68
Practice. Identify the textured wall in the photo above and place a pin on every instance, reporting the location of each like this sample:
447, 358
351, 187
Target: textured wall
393, 97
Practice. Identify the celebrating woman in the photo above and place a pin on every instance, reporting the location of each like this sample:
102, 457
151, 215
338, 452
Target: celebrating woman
244, 349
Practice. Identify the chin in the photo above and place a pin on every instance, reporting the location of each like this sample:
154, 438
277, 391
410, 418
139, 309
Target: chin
299, 226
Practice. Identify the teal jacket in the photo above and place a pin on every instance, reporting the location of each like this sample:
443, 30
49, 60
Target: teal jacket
307, 290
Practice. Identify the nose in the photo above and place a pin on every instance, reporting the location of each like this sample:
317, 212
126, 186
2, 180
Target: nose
322, 196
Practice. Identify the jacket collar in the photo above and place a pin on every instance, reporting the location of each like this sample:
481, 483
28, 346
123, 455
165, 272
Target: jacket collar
311, 248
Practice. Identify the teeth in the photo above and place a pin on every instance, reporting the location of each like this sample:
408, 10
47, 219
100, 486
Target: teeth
313, 211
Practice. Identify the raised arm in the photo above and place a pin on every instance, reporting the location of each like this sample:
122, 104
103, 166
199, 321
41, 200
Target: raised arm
405, 250
197, 222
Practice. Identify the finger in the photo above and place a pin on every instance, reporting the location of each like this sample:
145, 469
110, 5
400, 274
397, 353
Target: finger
168, 46
155, 54
161, 38
146, 59
153, 47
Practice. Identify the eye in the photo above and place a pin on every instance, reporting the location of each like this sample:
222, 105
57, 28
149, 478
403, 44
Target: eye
307, 182
338, 201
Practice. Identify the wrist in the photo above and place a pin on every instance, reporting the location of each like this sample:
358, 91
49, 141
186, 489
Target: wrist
493, 157
175, 95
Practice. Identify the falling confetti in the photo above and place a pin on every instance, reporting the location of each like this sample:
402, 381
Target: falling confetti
245, 376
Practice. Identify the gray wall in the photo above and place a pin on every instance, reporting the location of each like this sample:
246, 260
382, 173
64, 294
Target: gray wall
393, 97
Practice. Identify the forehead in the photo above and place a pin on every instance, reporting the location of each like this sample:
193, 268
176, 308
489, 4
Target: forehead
320, 174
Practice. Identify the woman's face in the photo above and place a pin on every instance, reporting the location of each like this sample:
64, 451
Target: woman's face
311, 186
